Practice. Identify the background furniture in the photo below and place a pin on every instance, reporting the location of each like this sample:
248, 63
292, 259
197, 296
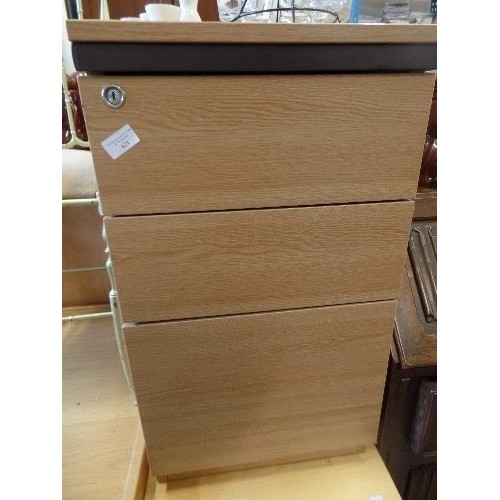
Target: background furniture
88, 282
408, 427
84, 280
255, 230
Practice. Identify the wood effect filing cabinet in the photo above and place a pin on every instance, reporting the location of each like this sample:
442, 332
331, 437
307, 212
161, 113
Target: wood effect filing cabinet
257, 231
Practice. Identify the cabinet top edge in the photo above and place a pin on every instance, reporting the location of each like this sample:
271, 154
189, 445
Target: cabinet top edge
226, 33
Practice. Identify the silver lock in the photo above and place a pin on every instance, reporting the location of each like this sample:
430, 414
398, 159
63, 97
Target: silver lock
113, 96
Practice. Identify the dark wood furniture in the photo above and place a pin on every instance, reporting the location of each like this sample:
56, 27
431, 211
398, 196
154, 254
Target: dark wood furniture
407, 437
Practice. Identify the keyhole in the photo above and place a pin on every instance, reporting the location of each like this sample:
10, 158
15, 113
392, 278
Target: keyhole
113, 96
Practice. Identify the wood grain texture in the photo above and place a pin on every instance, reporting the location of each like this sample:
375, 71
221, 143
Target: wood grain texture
263, 463
422, 483
99, 420
82, 242
218, 32
424, 427
137, 477
230, 142
208, 264
247, 390
425, 204
77, 310
394, 441
416, 339
86, 288
83, 246
353, 477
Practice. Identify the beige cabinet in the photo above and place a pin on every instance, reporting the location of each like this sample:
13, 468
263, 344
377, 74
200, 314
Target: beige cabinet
217, 263
254, 141
257, 232
254, 389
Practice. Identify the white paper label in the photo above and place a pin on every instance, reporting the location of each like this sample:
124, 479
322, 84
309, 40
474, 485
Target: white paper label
120, 142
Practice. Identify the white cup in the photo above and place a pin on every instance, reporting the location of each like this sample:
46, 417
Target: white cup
143, 16
129, 19
163, 12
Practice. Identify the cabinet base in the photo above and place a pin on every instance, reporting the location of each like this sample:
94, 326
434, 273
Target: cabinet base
317, 456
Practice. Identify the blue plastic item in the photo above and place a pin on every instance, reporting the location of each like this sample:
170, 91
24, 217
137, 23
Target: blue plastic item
354, 11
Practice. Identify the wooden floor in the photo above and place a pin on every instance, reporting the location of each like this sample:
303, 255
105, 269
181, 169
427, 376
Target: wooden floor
352, 477
100, 420
103, 447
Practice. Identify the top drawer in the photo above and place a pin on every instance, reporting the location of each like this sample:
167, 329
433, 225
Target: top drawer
229, 142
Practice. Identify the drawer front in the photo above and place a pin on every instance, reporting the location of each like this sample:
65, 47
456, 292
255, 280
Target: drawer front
210, 264
423, 436
232, 142
250, 390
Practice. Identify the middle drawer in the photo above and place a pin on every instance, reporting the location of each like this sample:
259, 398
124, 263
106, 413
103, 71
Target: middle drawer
216, 263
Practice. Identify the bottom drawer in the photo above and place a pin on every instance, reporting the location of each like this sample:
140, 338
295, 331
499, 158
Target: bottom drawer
256, 389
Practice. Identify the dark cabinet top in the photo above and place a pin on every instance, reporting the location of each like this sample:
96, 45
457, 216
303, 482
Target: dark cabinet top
187, 48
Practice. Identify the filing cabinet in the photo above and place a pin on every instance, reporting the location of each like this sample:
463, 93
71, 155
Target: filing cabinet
257, 225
